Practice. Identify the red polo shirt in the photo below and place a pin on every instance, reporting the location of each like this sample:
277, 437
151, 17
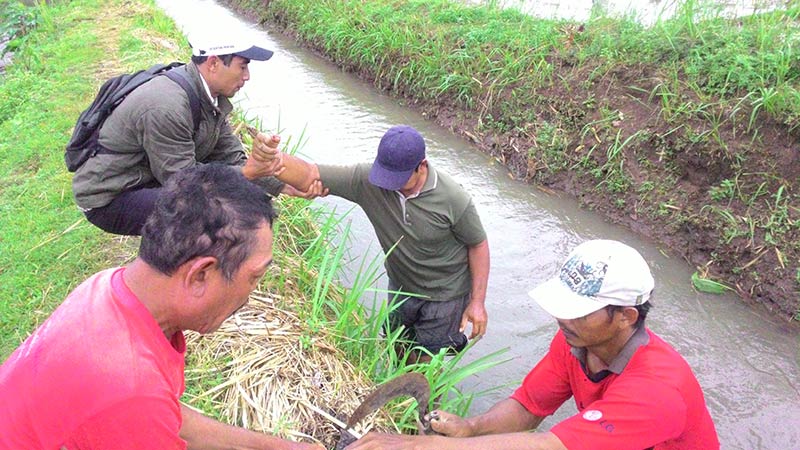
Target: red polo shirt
98, 374
649, 398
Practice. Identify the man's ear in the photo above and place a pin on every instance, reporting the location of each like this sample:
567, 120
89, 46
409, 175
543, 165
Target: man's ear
213, 61
198, 273
630, 315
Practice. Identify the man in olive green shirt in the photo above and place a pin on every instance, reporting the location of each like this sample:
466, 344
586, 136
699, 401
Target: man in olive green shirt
428, 226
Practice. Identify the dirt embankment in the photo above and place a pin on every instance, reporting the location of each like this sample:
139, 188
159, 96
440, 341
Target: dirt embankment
714, 183
664, 193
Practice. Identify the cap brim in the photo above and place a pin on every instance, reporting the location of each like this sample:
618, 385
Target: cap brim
562, 302
388, 179
255, 54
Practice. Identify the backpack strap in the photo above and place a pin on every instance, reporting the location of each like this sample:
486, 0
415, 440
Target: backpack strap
194, 101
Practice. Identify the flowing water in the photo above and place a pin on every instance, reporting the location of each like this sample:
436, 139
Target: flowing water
746, 362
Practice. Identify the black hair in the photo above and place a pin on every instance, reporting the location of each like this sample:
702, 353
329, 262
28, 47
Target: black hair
226, 59
643, 309
206, 210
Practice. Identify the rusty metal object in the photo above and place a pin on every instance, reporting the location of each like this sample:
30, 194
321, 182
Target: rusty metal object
406, 385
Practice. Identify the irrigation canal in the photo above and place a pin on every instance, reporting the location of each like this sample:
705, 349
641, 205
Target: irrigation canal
746, 361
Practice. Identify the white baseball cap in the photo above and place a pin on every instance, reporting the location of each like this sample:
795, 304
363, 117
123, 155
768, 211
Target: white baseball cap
597, 273
231, 47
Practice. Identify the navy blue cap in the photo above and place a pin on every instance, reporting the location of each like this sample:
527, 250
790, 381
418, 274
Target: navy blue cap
255, 53
401, 150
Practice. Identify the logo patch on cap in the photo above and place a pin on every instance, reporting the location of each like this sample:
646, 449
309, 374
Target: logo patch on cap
584, 279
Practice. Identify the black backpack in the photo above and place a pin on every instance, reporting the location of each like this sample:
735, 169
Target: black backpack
83, 144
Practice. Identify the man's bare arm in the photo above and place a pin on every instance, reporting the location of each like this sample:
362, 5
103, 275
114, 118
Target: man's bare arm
503, 427
506, 416
315, 190
506, 441
301, 177
204, 433
298, 173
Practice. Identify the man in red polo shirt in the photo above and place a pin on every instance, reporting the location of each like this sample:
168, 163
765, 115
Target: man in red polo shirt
105, 371
633, 390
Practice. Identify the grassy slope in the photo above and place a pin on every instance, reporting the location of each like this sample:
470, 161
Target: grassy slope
686, 131
47, 246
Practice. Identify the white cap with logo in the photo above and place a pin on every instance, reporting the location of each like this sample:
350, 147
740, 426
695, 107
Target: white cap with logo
597, 273
228, 46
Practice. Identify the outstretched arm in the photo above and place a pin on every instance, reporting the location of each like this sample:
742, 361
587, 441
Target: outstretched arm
267, 158
506, 416
503, 427
478, 260
315, 190
204, 433
298, 173
300, 177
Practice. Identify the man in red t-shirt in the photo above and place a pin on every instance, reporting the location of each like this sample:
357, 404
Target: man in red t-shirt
106, 369
633, 391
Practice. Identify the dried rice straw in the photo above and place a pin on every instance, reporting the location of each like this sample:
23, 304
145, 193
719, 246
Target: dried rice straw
275, 384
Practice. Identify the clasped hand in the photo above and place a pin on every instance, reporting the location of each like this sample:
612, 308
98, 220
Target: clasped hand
265, 157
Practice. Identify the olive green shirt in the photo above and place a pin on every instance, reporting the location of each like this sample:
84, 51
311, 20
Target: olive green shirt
151, 137
432, 230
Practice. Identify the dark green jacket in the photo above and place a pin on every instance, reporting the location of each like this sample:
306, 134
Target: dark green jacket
150, 135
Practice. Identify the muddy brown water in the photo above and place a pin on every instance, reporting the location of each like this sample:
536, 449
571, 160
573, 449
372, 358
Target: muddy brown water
747, 362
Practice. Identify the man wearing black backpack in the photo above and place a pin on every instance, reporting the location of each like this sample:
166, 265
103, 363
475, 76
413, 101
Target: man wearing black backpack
157, 131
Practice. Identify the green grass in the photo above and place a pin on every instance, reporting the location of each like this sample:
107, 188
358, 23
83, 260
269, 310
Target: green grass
473, 54
432, 48
47, 246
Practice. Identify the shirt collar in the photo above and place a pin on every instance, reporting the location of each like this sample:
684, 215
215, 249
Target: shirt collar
214, 100
638, 339
431, 181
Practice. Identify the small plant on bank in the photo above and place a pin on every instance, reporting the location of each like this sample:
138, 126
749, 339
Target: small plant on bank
724, 191
551, 146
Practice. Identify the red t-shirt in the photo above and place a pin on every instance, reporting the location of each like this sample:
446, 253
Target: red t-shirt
98, 374
655, 401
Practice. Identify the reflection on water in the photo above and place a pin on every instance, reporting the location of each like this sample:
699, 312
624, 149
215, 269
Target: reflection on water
746, 362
